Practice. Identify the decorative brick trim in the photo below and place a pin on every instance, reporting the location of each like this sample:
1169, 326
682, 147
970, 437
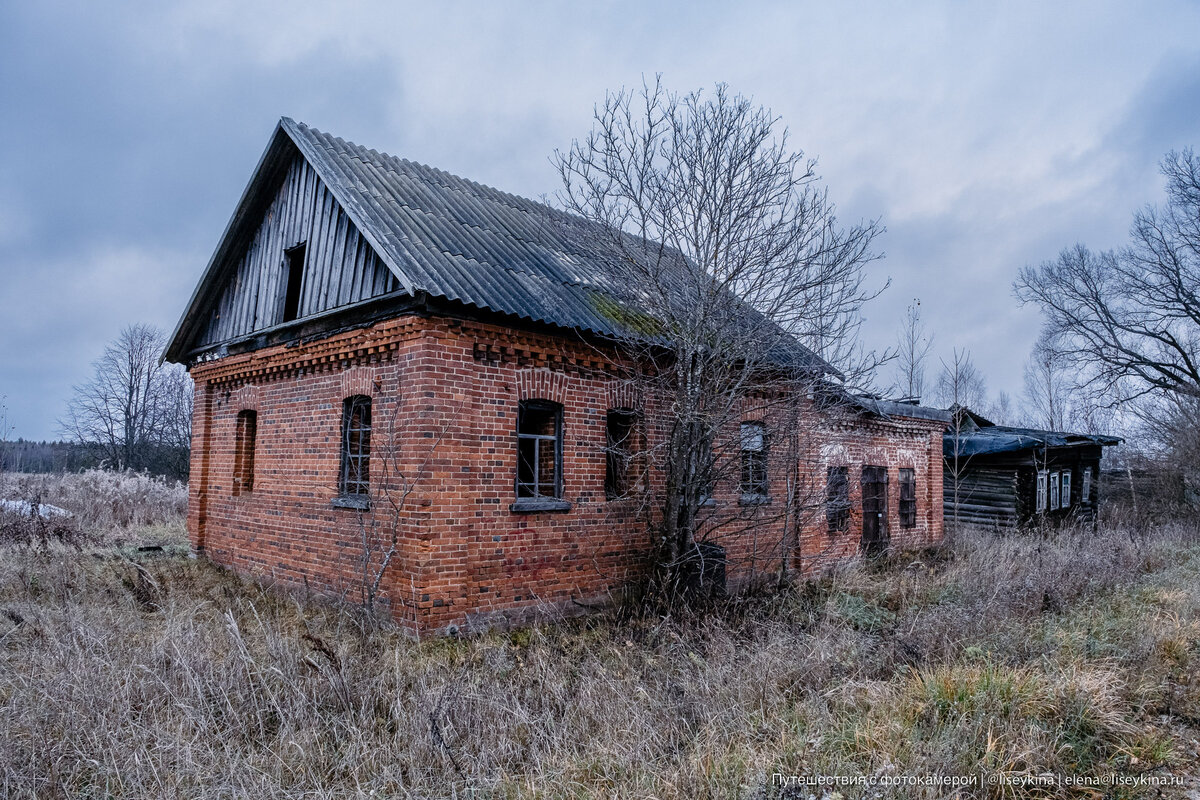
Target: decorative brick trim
541, 384
244, 398
623, 394
359, 380
373, 344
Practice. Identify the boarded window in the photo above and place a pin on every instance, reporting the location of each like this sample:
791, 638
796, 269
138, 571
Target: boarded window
1041, 492
908, 498
1065, 497
754, 460
620, 433
356, 447
1085, 490
539, 450
243, 452
837, 499
294, 263
1053, 491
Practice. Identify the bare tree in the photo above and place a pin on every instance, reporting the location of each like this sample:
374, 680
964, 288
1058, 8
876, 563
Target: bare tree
135, 407
960, 385
728, 256
1001, 410
913, 344
1047, 387
1128, 321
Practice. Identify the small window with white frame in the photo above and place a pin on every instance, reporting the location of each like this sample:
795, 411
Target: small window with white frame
1053, 491
1085, 490
1065, 497
1041, 492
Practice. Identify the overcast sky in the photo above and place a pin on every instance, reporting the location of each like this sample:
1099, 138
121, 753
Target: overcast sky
984, 136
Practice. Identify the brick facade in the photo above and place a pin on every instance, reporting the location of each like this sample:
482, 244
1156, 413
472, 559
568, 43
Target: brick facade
444, 399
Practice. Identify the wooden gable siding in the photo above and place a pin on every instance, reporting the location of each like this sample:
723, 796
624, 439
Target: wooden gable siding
340, 267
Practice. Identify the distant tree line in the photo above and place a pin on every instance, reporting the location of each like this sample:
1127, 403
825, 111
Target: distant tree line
23, 455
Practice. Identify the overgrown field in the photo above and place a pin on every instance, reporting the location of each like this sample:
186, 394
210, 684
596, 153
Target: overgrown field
127, 674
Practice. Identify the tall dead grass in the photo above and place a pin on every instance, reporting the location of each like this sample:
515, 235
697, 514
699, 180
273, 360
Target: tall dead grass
1070, 653
105, 504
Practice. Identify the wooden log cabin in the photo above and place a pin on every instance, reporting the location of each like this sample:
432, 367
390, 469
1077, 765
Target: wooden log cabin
999, 476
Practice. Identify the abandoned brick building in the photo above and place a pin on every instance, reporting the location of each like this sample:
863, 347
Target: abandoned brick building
395, 367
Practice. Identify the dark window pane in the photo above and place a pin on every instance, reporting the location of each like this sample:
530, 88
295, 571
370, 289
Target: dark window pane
754, 459
539, 449
908, 498
837, 499
356, 446
619, 453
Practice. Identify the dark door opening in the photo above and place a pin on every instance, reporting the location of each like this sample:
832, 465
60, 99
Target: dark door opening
874, 506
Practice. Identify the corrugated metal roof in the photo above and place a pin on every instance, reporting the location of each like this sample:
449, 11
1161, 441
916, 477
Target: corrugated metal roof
452, 238
456, 239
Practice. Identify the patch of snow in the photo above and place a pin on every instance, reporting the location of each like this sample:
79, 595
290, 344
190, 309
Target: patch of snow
26, 508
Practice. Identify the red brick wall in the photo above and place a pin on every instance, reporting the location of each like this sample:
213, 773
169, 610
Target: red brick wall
444, 402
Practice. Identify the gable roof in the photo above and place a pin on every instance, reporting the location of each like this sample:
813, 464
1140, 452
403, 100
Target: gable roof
444, 237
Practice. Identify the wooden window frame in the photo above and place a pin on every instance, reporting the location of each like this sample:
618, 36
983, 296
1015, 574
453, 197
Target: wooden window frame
1064, 493
354, 478
1053, 503
1085, 489
837, 499
753, 479
907, 477
528, 494
1042, 491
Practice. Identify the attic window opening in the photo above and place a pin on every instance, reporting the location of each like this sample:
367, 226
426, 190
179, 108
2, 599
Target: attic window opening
294, 257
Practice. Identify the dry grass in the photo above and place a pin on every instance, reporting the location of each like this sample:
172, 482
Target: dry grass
163, 676
103, 502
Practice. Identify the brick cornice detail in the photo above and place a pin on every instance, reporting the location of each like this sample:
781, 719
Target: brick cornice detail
368, 344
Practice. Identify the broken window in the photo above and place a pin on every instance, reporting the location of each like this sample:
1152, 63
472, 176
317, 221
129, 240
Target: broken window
243, 452
356, 447
539, 450
754, 460
908, 498
294, 260
837, 499
620, 430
